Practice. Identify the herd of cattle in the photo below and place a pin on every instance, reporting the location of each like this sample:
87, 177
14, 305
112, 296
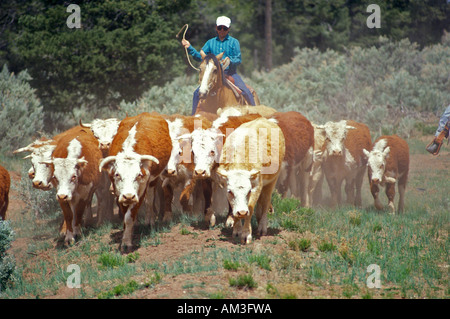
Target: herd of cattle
240, 154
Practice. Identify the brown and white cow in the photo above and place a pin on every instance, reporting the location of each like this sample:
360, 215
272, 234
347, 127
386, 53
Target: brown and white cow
74, 165
179, 170
250, 164
388, 163
104, 131
345, 160
5, 183
206, 149
40, 152
138, 154
299, 138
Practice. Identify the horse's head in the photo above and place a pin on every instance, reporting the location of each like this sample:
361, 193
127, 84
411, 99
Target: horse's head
211, 73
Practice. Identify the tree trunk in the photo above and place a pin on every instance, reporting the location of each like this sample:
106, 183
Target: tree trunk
268, 35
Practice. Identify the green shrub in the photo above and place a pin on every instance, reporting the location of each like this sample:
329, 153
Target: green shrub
7, 262
20, 110
243, 281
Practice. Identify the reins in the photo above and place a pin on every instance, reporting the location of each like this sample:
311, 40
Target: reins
185, 49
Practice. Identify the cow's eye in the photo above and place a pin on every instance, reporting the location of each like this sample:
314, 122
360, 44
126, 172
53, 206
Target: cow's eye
230, 193
74, 178
212, 153
117, 176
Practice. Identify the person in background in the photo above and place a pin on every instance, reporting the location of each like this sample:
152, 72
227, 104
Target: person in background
223, 42
442, 132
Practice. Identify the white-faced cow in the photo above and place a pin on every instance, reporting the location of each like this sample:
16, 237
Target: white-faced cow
138, 154
5, 183
206, 149
74, 165
345, 160
249, 167
179, 170
388, 163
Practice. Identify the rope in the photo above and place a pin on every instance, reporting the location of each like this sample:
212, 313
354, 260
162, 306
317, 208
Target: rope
185, 49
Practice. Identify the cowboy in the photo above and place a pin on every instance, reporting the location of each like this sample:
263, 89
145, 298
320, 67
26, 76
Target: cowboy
231, 48
442, 132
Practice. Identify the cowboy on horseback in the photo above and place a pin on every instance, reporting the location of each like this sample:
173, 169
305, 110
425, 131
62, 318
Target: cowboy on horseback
231, 49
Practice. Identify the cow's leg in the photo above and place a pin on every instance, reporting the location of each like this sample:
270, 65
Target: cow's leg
230, 218
207, 193
375, 190
263, 207
390, 193
246, 236
237, 227
79, 208
168, 197
189, 189
350, 190
358, 185
401, 192
67, 226
128, 223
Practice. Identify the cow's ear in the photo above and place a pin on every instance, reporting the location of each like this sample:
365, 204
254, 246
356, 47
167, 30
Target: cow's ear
386, 152
81, 163
221, 175
366, 152
254, 174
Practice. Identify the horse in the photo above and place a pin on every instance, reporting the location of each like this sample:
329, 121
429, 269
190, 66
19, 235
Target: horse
215, 90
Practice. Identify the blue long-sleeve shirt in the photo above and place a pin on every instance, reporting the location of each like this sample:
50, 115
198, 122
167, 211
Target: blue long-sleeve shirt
230, 46
445, 117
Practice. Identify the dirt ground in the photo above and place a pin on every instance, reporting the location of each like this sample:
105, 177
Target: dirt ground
174, 246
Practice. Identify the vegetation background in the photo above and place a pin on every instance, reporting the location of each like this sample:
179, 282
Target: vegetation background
317, 57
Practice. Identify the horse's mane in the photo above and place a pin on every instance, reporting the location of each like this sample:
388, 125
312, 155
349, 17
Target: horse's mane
211, 56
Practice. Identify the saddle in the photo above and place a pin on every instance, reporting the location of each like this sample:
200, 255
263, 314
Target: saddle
237, 91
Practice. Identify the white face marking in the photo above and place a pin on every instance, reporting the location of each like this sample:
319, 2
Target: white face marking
205, 84
104, 131
130, 173
67, 171
42, 172
175, 130
240, 185
336, 133
377, 159
205, 149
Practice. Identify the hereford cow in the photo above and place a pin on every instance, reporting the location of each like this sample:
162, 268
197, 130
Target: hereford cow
299, 138
206, 149
138, 154
104, 131
249, 167
74, 167
262, 110
179, 170
5, 183
388, 162
41, 151
345, 160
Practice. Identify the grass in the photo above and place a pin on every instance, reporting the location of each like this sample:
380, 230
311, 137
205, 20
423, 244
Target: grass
320, 252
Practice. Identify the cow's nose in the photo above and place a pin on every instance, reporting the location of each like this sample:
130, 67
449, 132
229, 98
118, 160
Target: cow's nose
337, 153
37, 184
62, 197
171, 172
104, 146
199, 172
375, 180
242, 212
128, 197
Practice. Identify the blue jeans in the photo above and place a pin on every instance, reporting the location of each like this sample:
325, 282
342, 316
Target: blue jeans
238, 82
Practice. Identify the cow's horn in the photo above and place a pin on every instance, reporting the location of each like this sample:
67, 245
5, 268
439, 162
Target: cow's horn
84, 125
106, 161
150, 158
